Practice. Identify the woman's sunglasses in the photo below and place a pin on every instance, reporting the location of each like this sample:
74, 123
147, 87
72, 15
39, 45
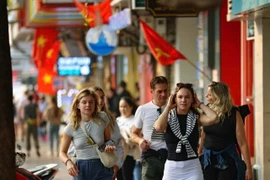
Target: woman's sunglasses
189, 85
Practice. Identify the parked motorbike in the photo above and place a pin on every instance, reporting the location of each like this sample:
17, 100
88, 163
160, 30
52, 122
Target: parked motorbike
43, 172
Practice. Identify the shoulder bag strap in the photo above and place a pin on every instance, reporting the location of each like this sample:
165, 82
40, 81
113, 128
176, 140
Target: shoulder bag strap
88, 137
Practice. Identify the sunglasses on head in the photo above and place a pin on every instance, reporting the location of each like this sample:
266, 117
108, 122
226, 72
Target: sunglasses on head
214, 83
184, 85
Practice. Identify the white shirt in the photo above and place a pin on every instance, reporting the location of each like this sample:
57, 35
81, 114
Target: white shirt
125, 123
145, 117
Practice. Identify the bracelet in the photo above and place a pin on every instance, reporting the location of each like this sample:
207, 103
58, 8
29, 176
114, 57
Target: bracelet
67, 161
200, 104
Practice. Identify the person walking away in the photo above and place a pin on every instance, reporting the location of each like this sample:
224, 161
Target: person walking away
152, 143
181, 121
22, 122
42, 130
131, 150
112, 100
32, 117
85, 111
220, 157
114, 129
53, 115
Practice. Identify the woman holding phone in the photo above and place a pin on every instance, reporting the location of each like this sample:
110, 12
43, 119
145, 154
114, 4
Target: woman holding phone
85, 109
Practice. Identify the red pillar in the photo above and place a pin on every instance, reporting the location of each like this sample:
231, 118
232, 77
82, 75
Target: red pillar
247, 83
230, 54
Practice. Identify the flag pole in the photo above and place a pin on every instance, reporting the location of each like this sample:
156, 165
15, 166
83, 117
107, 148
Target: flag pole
203, 73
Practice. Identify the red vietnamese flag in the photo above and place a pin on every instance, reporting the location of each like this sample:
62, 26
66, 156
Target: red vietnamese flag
91, 13
162, 50
43, 40
51, 56
45, 81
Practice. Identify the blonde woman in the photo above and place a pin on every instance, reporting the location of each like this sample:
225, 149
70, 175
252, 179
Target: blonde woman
221, 160
88, 165
114, 129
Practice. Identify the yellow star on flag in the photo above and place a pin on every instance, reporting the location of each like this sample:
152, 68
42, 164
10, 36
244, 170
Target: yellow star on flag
88, 20
161, 53
41, 41
49, 54
47, 78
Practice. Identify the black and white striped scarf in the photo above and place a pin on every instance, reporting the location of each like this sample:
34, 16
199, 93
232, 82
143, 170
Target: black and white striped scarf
175, 127
157, 136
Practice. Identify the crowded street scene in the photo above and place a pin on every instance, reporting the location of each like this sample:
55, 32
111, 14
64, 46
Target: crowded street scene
134, 90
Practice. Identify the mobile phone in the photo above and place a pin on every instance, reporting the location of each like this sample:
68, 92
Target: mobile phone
103, 146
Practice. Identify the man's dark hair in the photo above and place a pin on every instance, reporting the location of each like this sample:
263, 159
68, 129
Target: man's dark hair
30, 97
123, 84
158, 80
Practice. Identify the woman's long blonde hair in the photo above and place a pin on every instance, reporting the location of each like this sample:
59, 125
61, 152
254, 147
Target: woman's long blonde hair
224, 102
75, 114
105, 108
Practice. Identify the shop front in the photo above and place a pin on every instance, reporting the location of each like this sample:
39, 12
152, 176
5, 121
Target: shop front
255, 37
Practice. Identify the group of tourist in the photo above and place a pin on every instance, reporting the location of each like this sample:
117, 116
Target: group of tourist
163, 136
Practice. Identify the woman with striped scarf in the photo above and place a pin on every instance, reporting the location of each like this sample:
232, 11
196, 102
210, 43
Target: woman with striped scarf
181, 121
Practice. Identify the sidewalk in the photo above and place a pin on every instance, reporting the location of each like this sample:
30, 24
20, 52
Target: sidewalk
45, 158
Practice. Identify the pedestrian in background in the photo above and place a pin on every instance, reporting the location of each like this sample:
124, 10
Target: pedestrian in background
181, 121
152, 144
53, 115
42, 130
112, 100
121, 92
220, 157
32, 117
131, 150
114, 129
85, 111
22, 122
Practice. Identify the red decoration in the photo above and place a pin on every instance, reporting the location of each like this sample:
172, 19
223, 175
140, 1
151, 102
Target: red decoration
93, 12
45, 81
51, 56
162, 50
43, 41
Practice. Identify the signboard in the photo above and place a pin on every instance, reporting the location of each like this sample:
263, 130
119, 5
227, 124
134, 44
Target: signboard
120, 20
100, 40
248, 5
74, 66
161, 10
138, 4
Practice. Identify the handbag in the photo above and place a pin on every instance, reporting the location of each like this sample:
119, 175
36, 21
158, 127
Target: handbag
108, 159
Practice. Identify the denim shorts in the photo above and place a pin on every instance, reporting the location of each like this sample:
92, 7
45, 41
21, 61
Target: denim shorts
93, 170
